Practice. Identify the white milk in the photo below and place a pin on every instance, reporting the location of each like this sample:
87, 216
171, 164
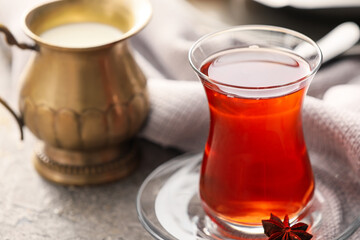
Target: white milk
81, 35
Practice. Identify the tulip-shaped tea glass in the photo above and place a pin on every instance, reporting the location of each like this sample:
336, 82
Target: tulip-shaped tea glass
255, 160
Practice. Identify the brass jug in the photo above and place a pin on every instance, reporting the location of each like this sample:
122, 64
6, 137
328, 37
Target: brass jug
85, 104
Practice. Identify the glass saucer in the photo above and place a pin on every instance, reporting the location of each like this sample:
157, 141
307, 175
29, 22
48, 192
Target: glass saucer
169, 207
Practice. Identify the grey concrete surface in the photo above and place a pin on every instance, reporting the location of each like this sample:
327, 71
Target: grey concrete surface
32, 208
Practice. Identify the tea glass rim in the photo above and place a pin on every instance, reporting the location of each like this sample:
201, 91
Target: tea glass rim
268, 28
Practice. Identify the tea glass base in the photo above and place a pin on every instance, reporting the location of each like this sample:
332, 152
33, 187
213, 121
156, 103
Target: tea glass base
169, 207
310, 215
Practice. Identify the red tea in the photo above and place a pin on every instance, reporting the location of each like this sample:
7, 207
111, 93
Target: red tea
255, 161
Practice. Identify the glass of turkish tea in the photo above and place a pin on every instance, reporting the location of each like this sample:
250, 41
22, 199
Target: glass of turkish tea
255, 160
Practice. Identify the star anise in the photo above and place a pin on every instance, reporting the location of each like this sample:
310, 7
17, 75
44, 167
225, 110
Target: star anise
275, 229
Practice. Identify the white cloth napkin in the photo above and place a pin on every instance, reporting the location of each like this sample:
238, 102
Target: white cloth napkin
179, 114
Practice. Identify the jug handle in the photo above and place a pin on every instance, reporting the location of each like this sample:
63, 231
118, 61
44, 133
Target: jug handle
18, 119
11, 40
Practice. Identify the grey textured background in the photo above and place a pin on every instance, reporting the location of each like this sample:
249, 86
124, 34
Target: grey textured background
33, 208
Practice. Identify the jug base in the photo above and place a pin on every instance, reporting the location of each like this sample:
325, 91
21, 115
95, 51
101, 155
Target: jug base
86, 167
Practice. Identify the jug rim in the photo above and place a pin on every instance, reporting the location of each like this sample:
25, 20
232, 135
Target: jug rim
145, 12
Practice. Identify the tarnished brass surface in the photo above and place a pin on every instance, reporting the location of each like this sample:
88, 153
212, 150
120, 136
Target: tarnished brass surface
84, 100
84, 103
